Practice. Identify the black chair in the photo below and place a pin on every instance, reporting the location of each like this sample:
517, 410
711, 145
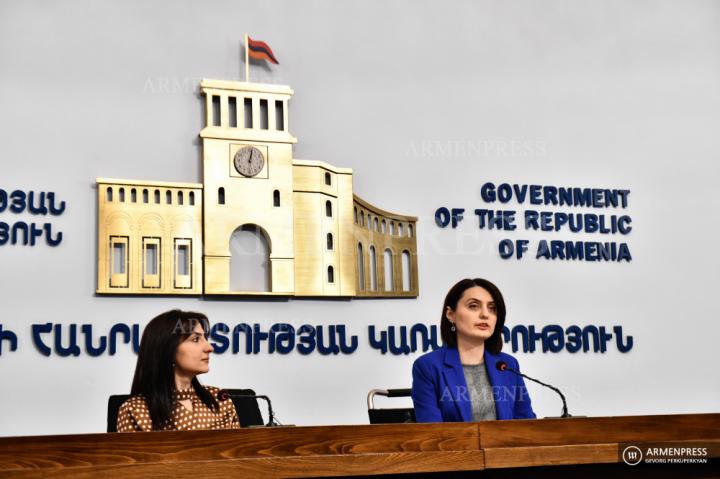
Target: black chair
247, 408
389, 416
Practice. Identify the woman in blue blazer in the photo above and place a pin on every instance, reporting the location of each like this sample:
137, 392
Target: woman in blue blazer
462, 381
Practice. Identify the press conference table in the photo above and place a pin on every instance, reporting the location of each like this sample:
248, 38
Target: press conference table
523, 448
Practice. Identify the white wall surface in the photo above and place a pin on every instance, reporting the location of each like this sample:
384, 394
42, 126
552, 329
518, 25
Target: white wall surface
617, 94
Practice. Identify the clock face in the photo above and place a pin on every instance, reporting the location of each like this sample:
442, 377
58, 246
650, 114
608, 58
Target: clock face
249, 161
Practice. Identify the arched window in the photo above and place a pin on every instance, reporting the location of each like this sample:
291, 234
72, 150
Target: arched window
331, 274
392, 229
221, 196
360, 267
108, 194
388, 263
369, 221
328, 209
329, 241
146, 197
384, 226
133, 195
192, 198
410, 231
373, 269
276, 198
157, 197
400, 229
328, 179
168, 197
356, 217
375, 224
181, 200
406, 277
362, 218
121, 195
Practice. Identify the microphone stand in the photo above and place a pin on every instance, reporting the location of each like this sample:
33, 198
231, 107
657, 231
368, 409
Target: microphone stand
271, 415
502, 366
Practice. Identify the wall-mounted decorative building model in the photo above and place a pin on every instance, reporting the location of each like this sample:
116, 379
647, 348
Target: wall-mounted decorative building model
262, 223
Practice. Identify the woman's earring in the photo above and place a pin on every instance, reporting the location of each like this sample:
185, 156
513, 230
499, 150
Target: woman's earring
452, 328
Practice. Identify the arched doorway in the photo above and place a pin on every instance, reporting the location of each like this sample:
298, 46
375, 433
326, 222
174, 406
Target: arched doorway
250, 259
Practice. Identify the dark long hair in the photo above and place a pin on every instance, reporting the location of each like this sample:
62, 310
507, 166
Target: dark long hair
154, 376
494, 343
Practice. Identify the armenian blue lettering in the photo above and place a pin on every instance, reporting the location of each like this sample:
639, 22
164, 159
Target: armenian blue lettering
327, 340
37, 204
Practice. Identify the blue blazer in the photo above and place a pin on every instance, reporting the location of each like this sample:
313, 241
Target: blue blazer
439, 391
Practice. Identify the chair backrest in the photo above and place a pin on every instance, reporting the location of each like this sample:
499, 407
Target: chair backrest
247, 408
114, 403
389, 416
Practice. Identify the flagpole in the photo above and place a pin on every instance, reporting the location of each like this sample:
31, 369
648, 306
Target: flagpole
247, 60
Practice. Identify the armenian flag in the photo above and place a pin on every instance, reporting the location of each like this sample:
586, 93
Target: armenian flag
260, 50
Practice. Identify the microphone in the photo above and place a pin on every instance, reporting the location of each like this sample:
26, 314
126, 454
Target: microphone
223, 395
502, 366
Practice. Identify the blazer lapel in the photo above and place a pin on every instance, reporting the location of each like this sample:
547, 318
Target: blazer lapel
501, 386
455, 380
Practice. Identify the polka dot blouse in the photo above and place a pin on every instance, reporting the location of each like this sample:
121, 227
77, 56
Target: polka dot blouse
134, 416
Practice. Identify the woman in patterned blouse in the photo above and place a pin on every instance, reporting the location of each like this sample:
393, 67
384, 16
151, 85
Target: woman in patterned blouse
166, 394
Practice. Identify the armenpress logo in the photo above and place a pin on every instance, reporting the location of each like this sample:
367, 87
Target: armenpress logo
632, 455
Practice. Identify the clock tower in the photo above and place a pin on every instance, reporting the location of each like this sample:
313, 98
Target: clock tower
261, 223
248, 180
